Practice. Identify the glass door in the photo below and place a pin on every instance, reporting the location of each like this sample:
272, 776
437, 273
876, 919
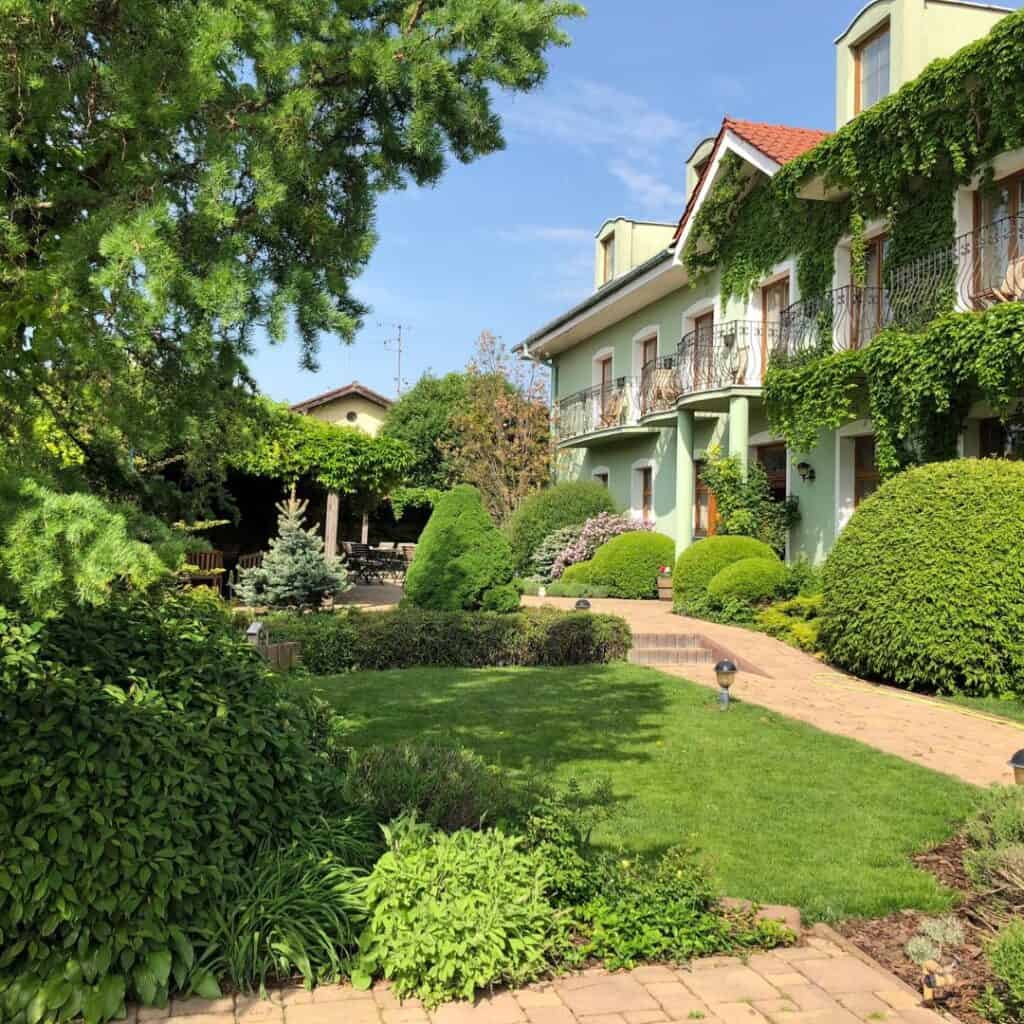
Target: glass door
774, 299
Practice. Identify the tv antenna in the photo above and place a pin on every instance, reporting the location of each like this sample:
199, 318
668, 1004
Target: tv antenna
396, 344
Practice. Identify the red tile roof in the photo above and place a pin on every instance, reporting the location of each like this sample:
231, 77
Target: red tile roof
778, 142
355, 388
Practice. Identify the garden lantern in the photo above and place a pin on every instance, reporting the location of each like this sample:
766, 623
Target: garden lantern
725, 673
583, 605
806, 471
1017, 764
257, 635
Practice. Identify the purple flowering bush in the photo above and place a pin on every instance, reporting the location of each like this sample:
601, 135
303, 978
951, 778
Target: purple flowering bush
596, 531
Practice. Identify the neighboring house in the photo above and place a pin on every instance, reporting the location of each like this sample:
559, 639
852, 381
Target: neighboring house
353, 405
655, 367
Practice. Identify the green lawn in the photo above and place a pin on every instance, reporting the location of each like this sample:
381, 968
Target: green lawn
1011, 709
788, 814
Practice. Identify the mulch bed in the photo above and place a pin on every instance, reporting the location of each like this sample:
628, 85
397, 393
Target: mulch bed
885, 938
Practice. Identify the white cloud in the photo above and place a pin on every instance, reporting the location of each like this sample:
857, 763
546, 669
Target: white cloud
540, 233
653, 193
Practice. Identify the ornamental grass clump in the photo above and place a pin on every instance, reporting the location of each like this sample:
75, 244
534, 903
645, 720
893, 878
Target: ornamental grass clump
595, 531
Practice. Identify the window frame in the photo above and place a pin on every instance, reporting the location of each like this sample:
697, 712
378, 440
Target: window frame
884, 29
700, 487
608, 258
646, 494
861, 476
1014, 184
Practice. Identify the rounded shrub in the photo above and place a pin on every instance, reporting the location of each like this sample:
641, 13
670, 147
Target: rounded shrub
700, 563
503, 599
460, 557
750, 579
628, 564
925, 586
580, 573
565, 504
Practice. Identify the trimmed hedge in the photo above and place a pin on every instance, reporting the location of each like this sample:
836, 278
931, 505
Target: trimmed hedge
925, 586
408, 637
566, 504
628, 564
750, 579
700, 563
580, 573
461, 558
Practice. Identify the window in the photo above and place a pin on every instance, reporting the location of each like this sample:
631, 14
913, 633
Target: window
774, 299
871, 70
998, 222
998, 442
601, 478
705, 511
865, 471
703, 350
772, 459
648, 351
647, 494
608, 258
608, 402
351, 416
868, 307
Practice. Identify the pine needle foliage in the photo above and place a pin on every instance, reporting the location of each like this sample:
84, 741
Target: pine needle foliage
296, 573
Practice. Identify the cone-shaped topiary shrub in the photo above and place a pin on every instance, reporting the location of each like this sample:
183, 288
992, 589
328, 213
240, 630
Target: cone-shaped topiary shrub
925, 586
628, 564
565, 504
700, 563
751, 580
461, 557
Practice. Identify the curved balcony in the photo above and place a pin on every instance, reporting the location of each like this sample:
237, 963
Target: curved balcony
728, 355
591, 410
659, 386
842, 320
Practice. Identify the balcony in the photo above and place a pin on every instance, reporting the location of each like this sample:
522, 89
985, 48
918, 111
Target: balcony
982, 268
659, 386
596, 409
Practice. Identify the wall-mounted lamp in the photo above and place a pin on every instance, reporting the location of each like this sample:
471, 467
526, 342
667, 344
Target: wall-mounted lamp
806, 471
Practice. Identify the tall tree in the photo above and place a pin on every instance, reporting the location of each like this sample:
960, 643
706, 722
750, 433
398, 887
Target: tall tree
503, 440
179, 173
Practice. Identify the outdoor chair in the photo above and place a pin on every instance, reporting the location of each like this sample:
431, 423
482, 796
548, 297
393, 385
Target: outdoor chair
204, 569
365, 563
1012, 287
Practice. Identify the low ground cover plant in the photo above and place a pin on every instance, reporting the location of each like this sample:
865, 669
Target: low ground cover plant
566, 504
463, 562
796, 622
408, 637
627, 566
925, 586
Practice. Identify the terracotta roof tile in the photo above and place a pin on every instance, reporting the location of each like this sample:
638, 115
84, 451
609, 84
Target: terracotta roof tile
778, 141
355, 388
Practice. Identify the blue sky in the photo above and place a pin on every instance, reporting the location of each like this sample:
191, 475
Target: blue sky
507, 243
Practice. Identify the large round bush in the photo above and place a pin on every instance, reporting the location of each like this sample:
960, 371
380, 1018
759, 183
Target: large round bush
750, 580
628, 564
700, 563
147, 754
925, 586
566, 504
461, 557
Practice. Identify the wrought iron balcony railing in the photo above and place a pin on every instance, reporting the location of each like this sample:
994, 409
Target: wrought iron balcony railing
838, 321
731, 354
598, 408
659, 386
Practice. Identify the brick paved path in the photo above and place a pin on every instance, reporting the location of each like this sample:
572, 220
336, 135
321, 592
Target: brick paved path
819, 982
941, 736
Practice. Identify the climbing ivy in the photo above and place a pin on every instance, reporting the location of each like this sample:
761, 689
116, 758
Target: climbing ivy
900, 161
919, 385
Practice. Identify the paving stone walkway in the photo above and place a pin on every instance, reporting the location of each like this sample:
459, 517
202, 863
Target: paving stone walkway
949, 739
823, 981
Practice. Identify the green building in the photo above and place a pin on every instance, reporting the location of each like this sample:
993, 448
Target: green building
668, 356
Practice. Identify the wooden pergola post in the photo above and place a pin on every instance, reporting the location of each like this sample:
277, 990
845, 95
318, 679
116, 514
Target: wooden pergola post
331, 524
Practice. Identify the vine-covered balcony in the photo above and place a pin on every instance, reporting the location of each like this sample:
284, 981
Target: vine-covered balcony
659, 386
838, 321
603, 407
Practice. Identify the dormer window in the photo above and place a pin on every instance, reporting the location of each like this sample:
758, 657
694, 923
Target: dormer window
608, 258
871, 69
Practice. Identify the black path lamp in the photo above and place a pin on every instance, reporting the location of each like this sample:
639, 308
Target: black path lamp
1017, 764
583, 605
725, 673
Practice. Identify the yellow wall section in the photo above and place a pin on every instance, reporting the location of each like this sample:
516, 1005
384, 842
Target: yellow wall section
636, 241
369, 415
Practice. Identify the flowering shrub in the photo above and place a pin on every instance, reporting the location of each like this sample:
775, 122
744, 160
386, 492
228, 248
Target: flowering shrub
596, 531
551, 547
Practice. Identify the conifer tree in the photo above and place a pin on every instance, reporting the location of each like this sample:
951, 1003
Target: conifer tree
295, 572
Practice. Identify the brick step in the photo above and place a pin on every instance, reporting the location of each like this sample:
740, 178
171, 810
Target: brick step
671, 656
658, 641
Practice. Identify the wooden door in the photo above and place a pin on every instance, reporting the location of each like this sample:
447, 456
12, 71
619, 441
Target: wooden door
774, 299
703, 351
705, 508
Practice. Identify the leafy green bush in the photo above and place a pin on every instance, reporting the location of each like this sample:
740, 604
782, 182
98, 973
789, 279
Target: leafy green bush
453, 914
148, 754
565, 504
1006, 957
445, 785
701, 562
503, 599
750, 580
925, 586
628, 564
407, 637
803, 579
581, 572
797, 622
460, 556
297, 910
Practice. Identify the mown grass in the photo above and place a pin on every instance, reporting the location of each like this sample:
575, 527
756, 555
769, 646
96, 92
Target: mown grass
1012, 708
786, 813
